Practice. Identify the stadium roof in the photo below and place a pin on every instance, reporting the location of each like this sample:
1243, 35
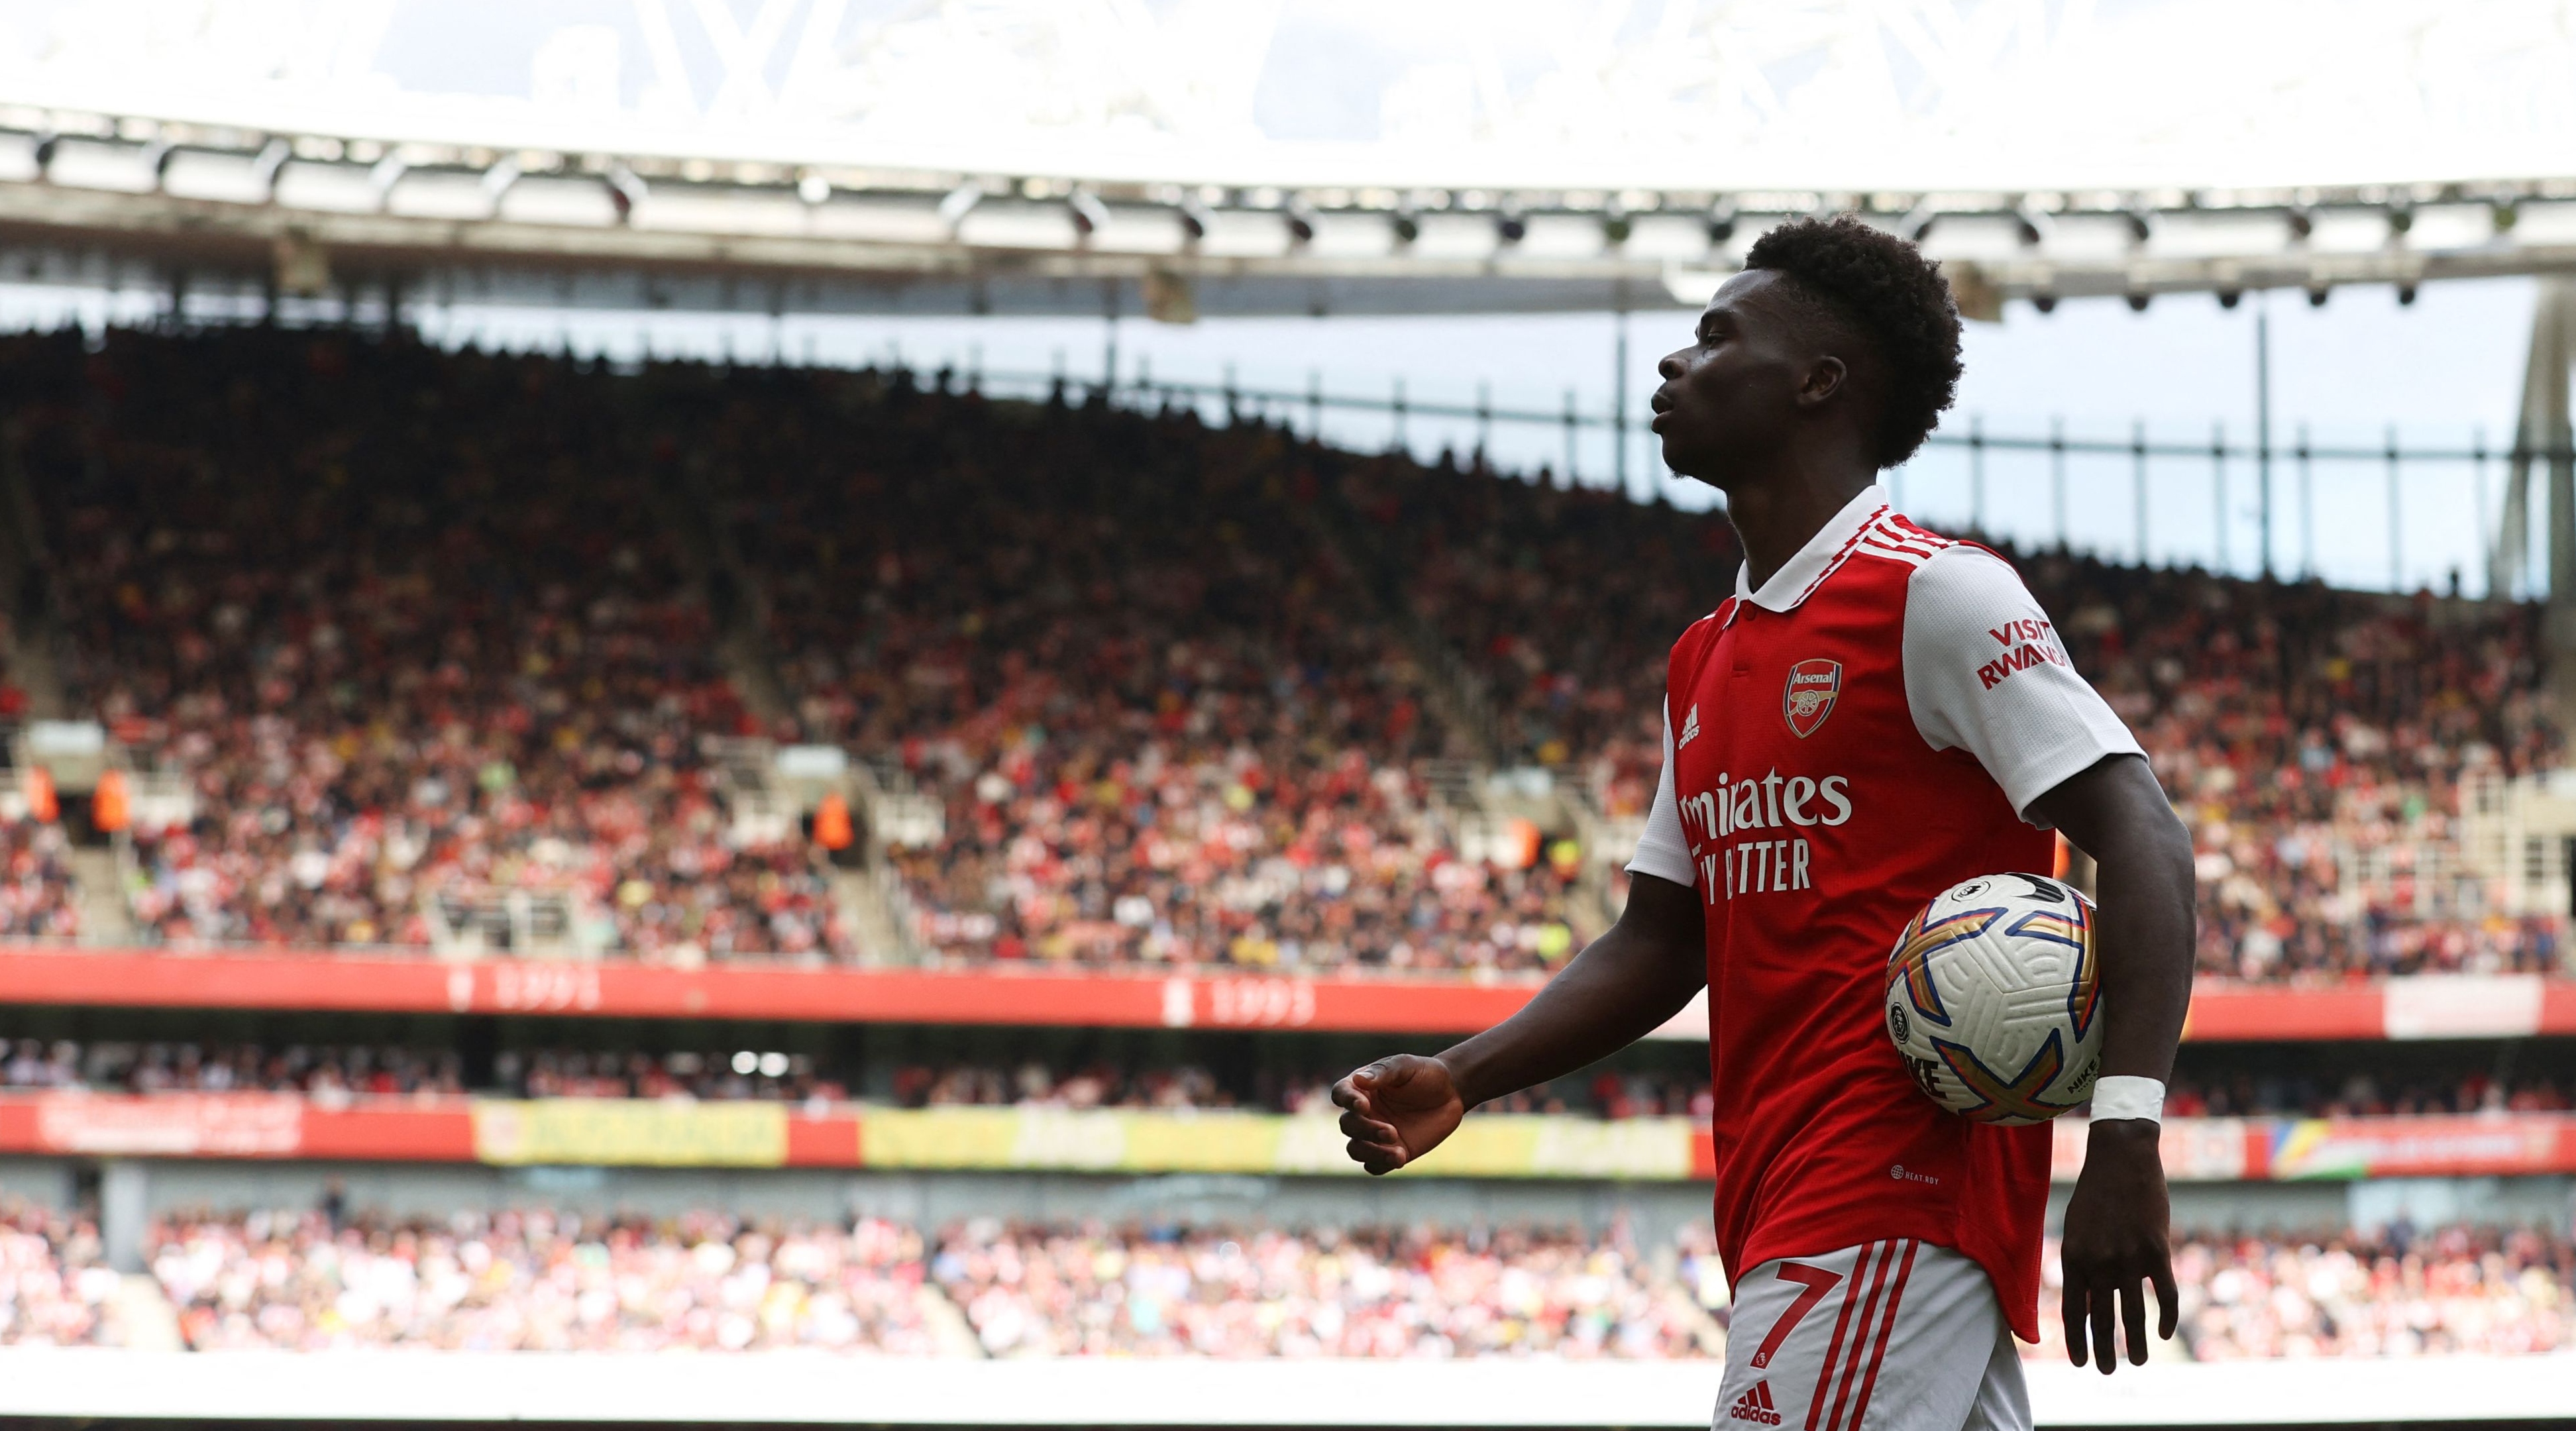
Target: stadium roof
1282, 155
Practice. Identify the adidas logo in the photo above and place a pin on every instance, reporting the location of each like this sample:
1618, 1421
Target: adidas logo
1690, 728
1755, 1406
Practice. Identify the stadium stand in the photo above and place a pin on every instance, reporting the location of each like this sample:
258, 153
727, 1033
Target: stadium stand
36, 898
409, 662
541, 1279
2397, 1293
2362, 1094
1094, 1291
333, 1072
2313, 739
2349, 1084
1562, 602
2318, 741
1164, 715
54, 1284
534, 1280
1183, 694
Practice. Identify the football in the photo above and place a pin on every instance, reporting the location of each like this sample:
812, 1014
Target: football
1993, 1000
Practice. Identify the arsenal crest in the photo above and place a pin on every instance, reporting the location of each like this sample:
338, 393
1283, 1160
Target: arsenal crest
1809, 697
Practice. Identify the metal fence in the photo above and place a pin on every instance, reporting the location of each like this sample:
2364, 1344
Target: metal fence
2232, 502
2391, 514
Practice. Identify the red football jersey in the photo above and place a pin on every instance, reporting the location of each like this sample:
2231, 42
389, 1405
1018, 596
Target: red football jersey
1836, 759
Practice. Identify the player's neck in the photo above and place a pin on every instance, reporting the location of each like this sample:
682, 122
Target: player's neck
1774, 519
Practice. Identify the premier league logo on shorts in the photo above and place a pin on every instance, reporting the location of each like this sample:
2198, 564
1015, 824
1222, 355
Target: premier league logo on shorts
1809, 697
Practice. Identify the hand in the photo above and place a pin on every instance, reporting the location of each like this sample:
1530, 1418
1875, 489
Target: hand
2118, 1223
1397, 1109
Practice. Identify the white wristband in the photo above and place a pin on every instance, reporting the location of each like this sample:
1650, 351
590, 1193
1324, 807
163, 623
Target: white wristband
2128, 1098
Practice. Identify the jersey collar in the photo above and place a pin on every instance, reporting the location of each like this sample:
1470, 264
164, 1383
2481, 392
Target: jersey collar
1801, 574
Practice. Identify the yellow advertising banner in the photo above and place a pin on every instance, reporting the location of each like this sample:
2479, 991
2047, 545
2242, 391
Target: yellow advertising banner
638, 1132
1070, 1140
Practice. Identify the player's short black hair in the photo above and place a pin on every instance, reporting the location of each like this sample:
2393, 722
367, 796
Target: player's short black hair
1893, 299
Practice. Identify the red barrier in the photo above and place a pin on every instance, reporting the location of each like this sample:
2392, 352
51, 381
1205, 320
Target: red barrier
2222, 1011
2253, 1013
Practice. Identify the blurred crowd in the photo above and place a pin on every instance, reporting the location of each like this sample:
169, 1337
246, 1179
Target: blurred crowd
331, 1071
2395, 1293
539, 1279
426, 633
1097, 1291
1167, 719
1101, 1084
1561, 603
36, 896
55, 1285
536, 1280
408, 628
2320, 744
2362, 1095
181, 1067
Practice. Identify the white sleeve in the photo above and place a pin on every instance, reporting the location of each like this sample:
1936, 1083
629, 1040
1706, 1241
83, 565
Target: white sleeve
1662, 851
1986, 672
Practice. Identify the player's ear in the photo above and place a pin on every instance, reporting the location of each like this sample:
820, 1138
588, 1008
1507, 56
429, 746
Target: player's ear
1825, 377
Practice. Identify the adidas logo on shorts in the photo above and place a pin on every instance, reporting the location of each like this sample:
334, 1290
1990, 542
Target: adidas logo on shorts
1755, 1406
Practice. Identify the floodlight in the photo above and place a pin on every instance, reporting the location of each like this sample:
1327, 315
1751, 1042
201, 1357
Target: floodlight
2302, 224
625, 191
814, 188
1407, 227
263, 170
2317, 295
498, 179
1089, 214
953, 209
1301, 222
1721, 221
2138, 300
2044, 301
382, 178
1194, 219
2230, 297
1509, 226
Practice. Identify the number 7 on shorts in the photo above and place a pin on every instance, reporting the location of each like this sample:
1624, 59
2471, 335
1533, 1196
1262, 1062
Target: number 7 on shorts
1818, 1282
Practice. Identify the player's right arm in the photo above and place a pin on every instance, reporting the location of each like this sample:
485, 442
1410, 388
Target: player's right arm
1623, 986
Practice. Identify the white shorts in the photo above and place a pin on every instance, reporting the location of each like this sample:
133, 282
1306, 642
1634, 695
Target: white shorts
1889, 1336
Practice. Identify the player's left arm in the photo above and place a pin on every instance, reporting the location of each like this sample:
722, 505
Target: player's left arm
1986, 673
2118, 1220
